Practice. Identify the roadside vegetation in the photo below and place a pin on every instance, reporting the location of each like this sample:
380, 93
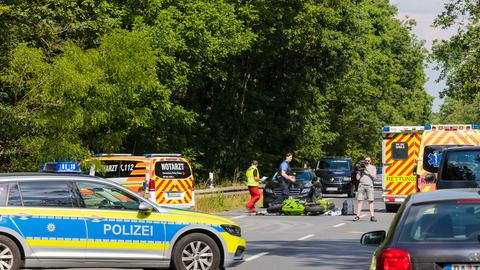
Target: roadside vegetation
222, 202
222, 82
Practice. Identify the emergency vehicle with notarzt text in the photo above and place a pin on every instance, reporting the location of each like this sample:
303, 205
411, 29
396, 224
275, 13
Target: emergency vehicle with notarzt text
435, 139
63, 220
167, 178
400, 150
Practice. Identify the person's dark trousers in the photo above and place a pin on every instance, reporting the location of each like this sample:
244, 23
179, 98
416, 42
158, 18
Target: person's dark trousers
285, 193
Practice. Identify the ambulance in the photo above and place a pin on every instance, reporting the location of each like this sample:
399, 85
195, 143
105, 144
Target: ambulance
435, 139
400, 153
166, 179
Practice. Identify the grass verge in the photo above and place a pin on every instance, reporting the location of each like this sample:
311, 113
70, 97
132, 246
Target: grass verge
222, 202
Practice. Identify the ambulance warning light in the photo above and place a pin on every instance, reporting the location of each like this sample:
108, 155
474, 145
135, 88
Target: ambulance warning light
60, 167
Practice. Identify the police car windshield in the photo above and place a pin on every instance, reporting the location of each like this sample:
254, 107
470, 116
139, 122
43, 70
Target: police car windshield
462, 165
333, 165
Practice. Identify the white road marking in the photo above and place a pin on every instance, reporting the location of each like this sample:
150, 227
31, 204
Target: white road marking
338, 225
363, 215
305, 237
256, 256
237, 217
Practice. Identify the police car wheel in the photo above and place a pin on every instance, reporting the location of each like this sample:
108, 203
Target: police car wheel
10, 258
196, 251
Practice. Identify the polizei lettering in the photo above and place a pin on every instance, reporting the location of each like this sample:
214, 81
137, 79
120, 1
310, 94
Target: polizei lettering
172, 166
133, 230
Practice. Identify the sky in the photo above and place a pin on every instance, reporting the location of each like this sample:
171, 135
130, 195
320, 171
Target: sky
424, 12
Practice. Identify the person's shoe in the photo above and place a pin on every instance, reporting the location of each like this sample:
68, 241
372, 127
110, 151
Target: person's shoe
253, 213
356, 218
373, 219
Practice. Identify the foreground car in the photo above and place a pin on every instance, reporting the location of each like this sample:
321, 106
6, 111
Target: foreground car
306, 187
432, 230
55, 220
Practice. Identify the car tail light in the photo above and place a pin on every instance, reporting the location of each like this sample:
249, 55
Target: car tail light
389, 199
393, 259
469, 201
151, 185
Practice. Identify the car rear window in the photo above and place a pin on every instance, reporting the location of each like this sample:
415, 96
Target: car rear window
462, 165
172, 169
452, 221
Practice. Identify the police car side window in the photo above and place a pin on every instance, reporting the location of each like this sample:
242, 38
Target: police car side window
14, 198
102, 196
3, 194
46, 194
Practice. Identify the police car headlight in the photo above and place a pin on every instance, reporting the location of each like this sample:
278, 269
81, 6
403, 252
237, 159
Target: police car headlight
306, 190
232, 229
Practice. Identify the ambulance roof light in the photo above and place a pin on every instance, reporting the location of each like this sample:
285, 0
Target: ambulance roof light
60, 167
428, 127
162, 155
111, 154
385, 129
474, 126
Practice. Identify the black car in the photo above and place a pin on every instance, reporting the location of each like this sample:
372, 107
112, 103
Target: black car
337, 175
306, 186
432, 230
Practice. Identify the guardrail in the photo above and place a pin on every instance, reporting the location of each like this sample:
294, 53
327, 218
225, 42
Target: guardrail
225, 190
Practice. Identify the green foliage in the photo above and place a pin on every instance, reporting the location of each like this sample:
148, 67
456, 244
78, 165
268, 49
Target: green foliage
222, 82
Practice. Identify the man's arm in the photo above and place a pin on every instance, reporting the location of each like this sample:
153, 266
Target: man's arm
372, 174
256, 175
286, 176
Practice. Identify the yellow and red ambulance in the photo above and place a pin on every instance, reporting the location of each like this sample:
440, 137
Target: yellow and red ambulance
436, 138
166, 178
400, 153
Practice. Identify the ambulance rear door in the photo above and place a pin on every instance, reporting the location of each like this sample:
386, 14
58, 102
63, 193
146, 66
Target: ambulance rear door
400, 149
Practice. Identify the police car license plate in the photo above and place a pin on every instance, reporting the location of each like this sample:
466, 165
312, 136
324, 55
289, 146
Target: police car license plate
462, 267
332, 188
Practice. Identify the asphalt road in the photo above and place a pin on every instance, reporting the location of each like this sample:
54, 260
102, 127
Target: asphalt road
309, 242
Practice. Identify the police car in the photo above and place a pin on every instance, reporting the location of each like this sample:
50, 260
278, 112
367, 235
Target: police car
66, 220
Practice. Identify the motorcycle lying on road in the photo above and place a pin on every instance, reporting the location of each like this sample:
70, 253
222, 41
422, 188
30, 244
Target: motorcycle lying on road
296, 207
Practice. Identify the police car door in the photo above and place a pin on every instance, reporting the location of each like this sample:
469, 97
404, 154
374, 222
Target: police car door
49, 218
116, 228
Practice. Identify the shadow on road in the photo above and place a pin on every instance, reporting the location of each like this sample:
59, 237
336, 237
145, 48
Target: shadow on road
336, 254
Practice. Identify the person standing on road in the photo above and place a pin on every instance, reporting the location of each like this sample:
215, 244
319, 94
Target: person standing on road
253, 178
365, 175
286, 179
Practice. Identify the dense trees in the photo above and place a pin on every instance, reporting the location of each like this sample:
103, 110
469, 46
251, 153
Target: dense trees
221, 81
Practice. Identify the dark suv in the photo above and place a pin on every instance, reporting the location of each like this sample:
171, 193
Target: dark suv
337, 175
306, 186
459, 168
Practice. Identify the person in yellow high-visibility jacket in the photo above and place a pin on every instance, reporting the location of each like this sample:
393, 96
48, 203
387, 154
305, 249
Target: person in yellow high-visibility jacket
253, 179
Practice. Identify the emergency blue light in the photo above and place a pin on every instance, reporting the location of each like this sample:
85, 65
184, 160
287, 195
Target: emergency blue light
385, 129
475, 126
428, 127
60, 167
162, 155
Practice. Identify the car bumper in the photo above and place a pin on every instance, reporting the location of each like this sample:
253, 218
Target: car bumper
329, 187
235, 249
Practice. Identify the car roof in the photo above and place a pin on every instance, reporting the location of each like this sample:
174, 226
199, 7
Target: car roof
445, 195
28, 176
462, 148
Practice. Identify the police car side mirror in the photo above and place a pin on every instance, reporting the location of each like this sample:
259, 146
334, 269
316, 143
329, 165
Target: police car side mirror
430, 178
145, 207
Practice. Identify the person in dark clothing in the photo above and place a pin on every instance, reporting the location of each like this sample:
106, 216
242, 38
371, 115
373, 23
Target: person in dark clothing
285, 179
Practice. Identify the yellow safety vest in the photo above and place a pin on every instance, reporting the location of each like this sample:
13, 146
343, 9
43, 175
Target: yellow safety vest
251, 182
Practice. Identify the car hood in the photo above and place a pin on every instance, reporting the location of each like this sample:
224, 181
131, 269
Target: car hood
325, 174
198, 217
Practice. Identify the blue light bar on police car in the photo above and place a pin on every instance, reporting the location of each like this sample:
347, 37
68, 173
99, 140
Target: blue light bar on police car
60, 167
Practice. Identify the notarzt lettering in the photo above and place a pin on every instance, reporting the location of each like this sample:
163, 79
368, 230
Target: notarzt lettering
172, 166
135, 230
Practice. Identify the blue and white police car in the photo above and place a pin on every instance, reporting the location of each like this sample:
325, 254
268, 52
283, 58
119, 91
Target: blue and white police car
67, 220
